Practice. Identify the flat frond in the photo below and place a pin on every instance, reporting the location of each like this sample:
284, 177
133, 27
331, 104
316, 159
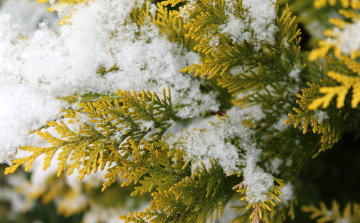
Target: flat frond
120, 123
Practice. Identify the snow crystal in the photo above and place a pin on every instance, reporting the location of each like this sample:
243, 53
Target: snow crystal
235, 27
214, 41
280, 126
320, 116
316, 29
74, 202
262, 14
286, 44
288, 162
295, 72
29, 13
257, 182
17, 201
201, 146
170, 122
119, 134
344, 220
186, 10
153, 9
288, 192
260, 17
147, 125
274, 165
238, 69
348, 39
49, 65
81, 119
22, 109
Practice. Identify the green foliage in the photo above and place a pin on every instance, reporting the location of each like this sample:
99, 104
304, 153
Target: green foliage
338, 121
151, 165
194, 198
125, 131
170, 25
95, 142
334, 214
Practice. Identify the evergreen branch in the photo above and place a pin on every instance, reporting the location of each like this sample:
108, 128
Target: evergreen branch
170, 25
192, 199
333, 214
119, 123
331, 126
340, 91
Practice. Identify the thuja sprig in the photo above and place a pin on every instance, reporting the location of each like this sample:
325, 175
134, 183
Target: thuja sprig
117, 123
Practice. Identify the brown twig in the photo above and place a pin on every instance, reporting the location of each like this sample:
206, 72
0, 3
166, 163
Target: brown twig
257, 206
239, 185
220, 112
256, 214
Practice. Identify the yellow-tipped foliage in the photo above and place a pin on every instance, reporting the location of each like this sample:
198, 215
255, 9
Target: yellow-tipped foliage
355, 4
191, 199
262, 207
333, 215
90, 148
339, 91
170, 25
331, 129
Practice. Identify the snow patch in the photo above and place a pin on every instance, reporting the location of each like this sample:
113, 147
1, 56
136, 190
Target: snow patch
295, 73
320, 116
260, 17
34, 72
288, 192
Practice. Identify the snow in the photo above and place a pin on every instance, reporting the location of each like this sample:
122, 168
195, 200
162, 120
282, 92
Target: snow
349, 38
280, 126
34, 72
119, 134
52, 64
288, 192
22, 110
81, 119
186, 10
238, 69
344, 220
29, 13
236, 28
295, 73
286, 44
257, 182
201, 146
260, 17
97, 213
146, 125
274, 165
73, 203
214, 41
320, 116
262, 14
15, 199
